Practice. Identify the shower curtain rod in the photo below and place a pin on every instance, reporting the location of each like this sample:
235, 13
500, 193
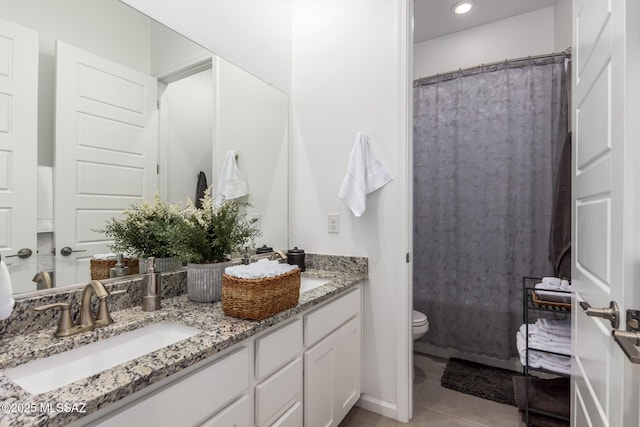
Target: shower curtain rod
565, 53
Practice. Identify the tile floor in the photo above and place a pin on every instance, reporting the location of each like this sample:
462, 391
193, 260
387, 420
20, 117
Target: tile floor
436, 406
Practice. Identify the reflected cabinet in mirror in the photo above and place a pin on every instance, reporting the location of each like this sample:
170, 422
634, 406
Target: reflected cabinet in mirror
101, 107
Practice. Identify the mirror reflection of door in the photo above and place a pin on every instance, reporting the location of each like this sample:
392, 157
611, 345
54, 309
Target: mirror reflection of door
105, 155
18, 150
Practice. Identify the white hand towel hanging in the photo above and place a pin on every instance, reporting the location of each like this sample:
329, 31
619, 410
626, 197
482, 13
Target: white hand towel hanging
365, 174
45, 198
6, 292
231, 185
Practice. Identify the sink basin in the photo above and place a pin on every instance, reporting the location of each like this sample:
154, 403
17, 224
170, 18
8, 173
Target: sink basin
50, 373
308, 283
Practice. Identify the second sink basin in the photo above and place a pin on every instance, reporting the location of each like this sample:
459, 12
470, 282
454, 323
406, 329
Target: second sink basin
308, 283
50, 373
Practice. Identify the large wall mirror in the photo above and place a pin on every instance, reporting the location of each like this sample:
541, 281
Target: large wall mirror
101, 106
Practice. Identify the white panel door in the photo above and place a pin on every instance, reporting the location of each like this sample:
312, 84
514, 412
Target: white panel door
606, 210
18, 150
106, 152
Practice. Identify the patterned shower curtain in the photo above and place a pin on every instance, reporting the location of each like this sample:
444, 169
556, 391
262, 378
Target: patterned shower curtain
486, 142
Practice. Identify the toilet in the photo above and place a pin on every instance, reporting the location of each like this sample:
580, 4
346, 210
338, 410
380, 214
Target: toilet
419, 327
420, 324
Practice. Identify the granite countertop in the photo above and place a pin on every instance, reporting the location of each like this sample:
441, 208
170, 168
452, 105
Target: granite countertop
19, 407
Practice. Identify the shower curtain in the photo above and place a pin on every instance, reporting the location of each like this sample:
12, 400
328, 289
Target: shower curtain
486, 142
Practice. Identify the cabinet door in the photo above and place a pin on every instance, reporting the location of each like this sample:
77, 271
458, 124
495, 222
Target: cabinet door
238, 414
319, 383
348, 367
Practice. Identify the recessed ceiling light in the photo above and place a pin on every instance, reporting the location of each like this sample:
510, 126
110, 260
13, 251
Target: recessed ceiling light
462, 7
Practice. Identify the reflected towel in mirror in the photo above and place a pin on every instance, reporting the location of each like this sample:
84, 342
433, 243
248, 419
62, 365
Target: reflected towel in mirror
365, 174
45, 199
231, 185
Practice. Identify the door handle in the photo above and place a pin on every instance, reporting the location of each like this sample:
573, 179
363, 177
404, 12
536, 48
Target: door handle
66, 251
628, 342
612, 313
22, 253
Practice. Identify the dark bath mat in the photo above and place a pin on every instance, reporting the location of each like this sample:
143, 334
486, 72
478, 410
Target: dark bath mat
479, 380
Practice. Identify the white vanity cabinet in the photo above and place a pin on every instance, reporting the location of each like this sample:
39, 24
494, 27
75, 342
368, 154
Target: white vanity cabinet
332, 361
303, 371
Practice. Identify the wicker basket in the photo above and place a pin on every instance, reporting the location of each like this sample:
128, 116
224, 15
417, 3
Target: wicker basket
257, 299
550, 304
100, 267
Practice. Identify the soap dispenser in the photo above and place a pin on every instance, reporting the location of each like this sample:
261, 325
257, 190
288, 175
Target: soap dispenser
119, 269
151, 287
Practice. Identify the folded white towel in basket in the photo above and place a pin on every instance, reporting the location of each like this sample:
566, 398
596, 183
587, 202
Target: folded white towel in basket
365, 174
261, 269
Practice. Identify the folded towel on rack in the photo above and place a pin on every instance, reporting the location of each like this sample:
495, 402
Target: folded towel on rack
231, 185
545, 341
541, 360
560, 327
365, 174
45, 199
554, 283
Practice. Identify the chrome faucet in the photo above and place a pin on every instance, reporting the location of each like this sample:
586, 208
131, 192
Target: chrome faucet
87, 317
87, 321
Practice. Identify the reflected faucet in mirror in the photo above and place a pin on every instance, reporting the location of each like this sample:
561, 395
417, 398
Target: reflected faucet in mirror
43, 280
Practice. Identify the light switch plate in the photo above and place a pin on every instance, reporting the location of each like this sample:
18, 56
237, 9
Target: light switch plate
334, 223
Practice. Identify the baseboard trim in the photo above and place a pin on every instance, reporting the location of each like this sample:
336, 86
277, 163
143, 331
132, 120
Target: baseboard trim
447, 353
378, 406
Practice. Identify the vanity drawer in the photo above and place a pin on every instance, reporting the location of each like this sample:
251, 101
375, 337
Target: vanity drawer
277, 348
190, 399
278, 393
321, 322
291, 418
237, 414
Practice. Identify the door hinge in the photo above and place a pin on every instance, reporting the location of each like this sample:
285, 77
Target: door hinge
407, 257
157, 104
157, 169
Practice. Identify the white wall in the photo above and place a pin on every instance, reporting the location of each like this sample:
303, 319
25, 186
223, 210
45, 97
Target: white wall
523, 35
255, 35
562, 25
252, 119
349, 75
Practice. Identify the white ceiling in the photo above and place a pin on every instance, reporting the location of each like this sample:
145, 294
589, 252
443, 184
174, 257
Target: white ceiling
433, 18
